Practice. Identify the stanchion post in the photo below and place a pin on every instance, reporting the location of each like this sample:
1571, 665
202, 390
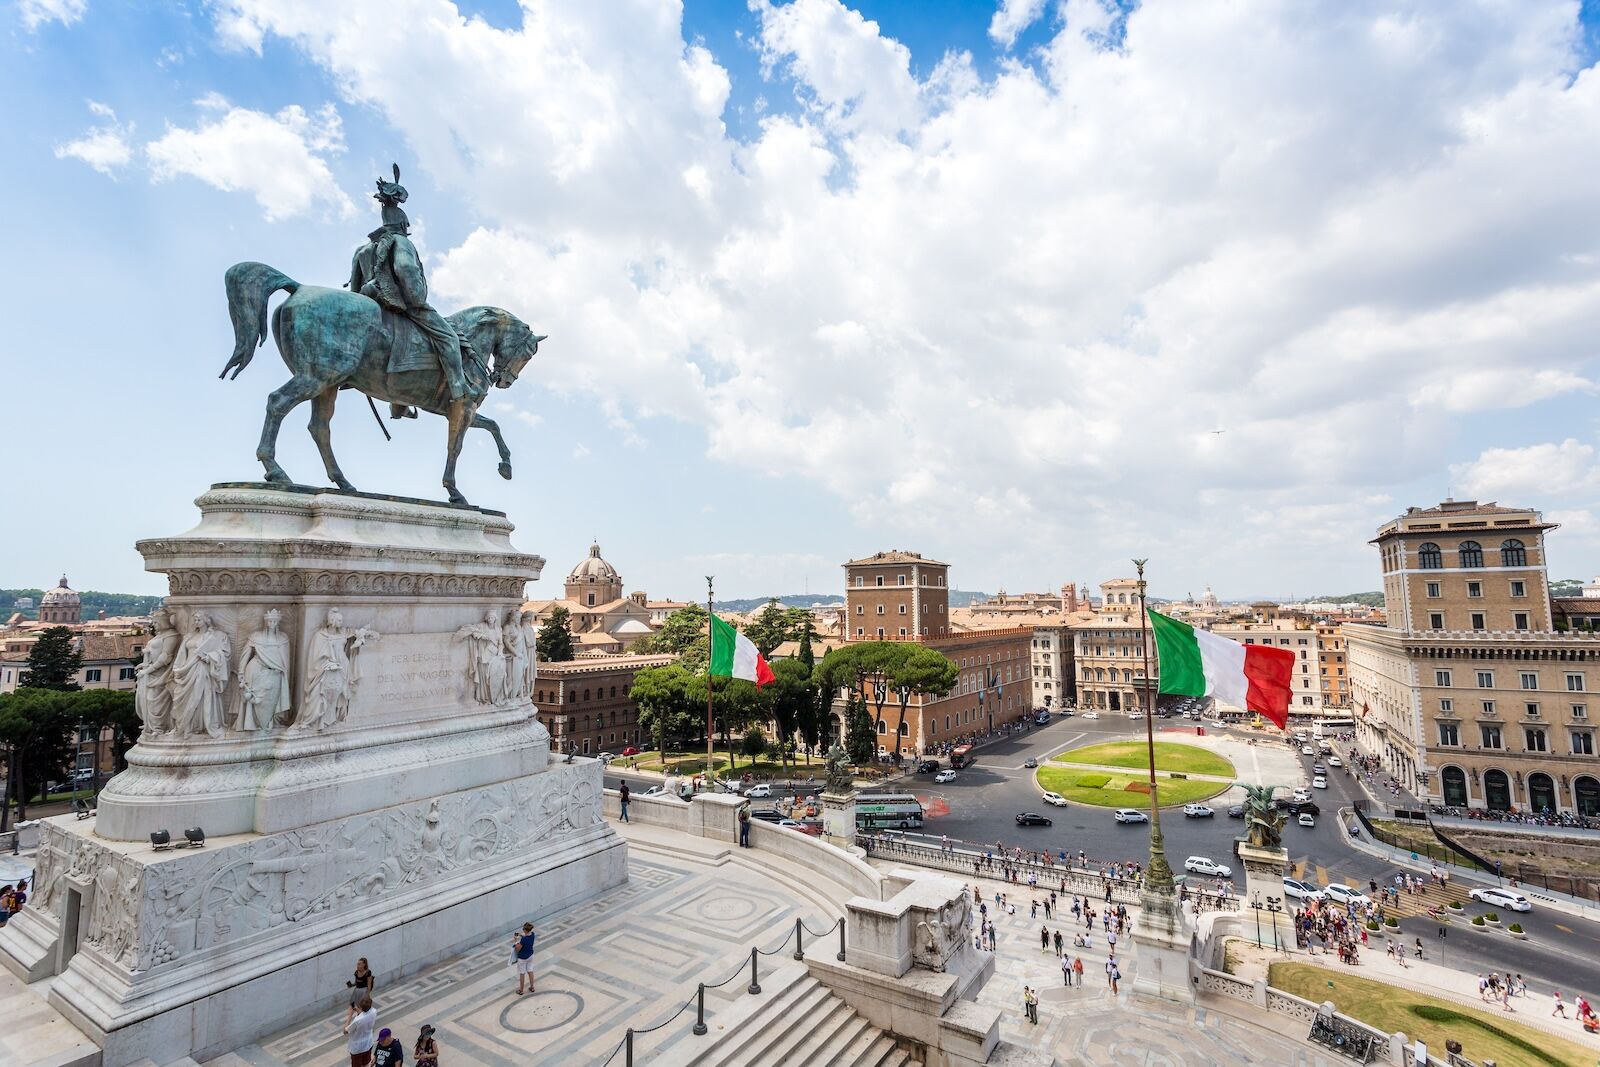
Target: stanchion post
700, 1012
628, 1042
755, 986
840, 957
799, 940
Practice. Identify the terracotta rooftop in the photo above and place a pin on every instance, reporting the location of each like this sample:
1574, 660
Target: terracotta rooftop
894, 555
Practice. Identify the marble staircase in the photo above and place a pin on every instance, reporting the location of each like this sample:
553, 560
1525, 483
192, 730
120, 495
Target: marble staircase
761, 1031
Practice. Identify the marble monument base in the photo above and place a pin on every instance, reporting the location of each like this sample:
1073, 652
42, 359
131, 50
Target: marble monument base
1163, 940
199, 951
1264, 871
839, 819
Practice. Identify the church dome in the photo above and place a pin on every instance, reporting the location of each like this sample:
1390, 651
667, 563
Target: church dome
593, 568
61, 596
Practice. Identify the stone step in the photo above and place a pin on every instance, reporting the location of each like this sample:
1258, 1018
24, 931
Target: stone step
854, 1050
774, 1027
740, 1021
826, 1027
883, 1053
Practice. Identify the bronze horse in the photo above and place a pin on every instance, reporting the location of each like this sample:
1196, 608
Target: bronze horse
332, 339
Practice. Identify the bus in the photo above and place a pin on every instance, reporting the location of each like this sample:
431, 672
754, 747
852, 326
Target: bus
961, 756
888, 811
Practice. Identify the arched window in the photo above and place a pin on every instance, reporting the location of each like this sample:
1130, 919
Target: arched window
883, 727
1513, 553
1429, 558
905, 729
1469, 554
1455, 786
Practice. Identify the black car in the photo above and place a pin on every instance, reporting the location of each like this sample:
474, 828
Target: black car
768, 815
1236, 812
928, 766
1030, 818
1296, 807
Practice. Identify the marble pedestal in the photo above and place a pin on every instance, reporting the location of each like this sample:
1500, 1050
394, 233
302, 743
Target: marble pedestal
1264, 871
1163, 942
839, 819
408, 819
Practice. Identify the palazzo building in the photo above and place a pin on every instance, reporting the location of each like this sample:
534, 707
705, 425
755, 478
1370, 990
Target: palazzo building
1470, 694
585, 705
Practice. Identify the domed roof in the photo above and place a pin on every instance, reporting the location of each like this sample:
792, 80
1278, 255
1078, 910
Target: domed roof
594, 568
61, 594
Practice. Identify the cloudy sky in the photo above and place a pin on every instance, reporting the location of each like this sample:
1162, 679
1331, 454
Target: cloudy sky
821, 279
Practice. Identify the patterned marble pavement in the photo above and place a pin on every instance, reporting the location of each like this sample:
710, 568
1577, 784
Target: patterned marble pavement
631, 957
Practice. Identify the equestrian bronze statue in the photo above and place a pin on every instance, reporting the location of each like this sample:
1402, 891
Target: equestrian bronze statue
380, 337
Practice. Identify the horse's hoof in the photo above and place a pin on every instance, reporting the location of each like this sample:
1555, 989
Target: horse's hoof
505, 471
345, 485
278, 476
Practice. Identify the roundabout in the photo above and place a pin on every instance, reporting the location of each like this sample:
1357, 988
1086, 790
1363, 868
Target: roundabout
1113, 774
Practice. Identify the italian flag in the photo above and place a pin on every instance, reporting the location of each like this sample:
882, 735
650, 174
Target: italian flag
734, 656
1195, 663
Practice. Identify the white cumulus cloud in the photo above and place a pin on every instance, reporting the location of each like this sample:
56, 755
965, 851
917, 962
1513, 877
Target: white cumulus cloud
36, 13
280, 158
1027, 298
1537, 472
106, 147
1012, 17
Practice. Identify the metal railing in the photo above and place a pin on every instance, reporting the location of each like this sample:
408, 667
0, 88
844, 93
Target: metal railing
626, 1046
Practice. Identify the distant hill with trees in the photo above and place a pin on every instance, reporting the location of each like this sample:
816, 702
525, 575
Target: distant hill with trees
93, 602
959, 598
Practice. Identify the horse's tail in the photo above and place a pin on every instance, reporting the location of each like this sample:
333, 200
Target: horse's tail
249, 286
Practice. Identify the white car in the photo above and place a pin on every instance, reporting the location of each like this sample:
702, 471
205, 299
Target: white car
1302, 794
759, 792
1508, 899
1343, 894
1301, 890
606, 757
1307, 750
1307, 819
1208, 867
1056, 799
1131, 815
660, 791
1135, 714
1335, 761
1197, 811
1090, 715
1319, 782
945, 776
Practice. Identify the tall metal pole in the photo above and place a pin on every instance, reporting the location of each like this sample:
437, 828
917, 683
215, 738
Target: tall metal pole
710, 648
1159, 875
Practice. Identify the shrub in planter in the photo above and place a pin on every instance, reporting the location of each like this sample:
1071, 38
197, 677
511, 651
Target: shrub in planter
1477, 920
1455, 905
1515, 928
1372, 926
1392, 923
1492, 917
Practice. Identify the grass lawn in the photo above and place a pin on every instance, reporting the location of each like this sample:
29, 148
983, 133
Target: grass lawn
1170, 756
1107, 790
1483, 1034
695, 762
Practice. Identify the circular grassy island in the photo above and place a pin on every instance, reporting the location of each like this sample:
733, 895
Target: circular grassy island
1114, 775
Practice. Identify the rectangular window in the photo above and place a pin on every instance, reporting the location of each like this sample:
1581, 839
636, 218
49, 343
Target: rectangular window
1490, 735
1534, 741
902, 631
1435, 620
1519, 588
1530, 680
1582, 743
1574, 683
902, 609
860, 581
1434, 590
92, 674
1519, 620
880, 581
860, 632
125, 674
1441, 678
861, 609
1580, 711
1447, 706
1486, 679
1488, 707
1474, 589
1532, 710
902, 580
1449, 733
1477, 621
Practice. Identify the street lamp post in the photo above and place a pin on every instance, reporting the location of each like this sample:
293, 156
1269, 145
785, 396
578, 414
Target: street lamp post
1274, 905
1255, 906
1159, 876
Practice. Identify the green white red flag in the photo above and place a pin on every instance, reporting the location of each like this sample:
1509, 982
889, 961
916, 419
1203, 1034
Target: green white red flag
733, 655
1196, 663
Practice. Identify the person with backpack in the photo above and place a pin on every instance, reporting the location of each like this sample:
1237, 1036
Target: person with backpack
522, 956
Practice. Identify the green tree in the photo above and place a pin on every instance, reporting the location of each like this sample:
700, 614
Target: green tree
736, 705
806, 655
860, 741
36, 728
921, 672
788, 700
860, 667
554, 642
665, 708
770, 628
754, 742
98, 709
682, 635
53, 661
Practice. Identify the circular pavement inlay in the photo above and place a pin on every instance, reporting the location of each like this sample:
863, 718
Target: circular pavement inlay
541, 1012
726, 909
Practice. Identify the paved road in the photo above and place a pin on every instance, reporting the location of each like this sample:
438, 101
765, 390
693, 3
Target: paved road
1563, 952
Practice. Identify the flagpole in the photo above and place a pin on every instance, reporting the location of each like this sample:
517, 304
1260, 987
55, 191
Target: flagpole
710, 648
1159, 874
